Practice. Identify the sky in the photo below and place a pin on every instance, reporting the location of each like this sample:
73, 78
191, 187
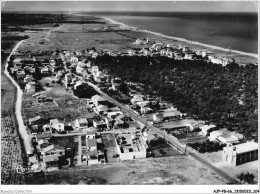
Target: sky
217, 6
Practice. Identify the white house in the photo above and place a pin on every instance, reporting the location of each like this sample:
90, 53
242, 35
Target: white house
215, 134
137, 98
57, 124
98, 100
53, 150
206, 53
74, 60
45, 71
216, 60
83, 122
241, 153
168, 114
143, 103
95, 72
114, 114
139, 41
99, 124
91, 144
227, 138
146, 110
206, 128
28, 78
30, 87
75, 124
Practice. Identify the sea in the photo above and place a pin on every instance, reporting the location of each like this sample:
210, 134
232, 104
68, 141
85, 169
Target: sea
236, 31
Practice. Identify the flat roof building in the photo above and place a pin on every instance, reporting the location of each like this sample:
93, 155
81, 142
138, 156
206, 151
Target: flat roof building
241, 153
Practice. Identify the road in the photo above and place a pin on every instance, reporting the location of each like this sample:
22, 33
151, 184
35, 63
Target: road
18, 104
168, 137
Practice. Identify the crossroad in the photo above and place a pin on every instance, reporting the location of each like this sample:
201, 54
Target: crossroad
169, 138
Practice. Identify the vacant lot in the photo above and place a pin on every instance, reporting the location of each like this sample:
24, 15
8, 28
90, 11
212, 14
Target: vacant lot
8, 92
216, 159
75, 37
65, 104
176, 170
11, 151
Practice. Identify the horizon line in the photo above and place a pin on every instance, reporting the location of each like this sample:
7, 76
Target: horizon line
135, 11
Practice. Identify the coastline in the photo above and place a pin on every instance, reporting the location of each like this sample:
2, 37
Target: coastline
18, 104
180, 39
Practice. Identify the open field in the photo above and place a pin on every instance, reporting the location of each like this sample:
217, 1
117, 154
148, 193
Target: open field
75, 37
8, 93
11, 151
176, 170
216, 159
78, 36
65, 104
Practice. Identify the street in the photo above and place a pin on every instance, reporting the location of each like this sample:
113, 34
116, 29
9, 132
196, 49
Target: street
169, 138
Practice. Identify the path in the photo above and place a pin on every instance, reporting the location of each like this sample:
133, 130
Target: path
18, 105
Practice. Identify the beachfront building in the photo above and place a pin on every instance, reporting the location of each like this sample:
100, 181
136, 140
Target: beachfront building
206, 53
215, 60
241, 153
139, 42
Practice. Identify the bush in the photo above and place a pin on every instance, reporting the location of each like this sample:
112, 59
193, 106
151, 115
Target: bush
246, 178
208, 146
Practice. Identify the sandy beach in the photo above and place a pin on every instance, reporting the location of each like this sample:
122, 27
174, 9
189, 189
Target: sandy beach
182, 39
174, 38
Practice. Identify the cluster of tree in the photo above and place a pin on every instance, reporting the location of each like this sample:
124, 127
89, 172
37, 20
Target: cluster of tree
84, 91
157, 142
203, 90
117, 96
207, 146
246, 178
45, 18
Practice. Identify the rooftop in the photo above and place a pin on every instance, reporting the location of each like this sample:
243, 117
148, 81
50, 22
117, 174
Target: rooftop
43, 135
246, 147
98, 98
55, 121
34, 119
92, 142
83, 120
50, 158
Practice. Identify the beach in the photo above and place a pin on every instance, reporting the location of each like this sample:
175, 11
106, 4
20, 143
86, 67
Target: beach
242, 58
182, 39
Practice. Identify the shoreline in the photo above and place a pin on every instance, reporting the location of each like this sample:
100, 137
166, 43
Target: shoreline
18, 104
180, 39
174, 38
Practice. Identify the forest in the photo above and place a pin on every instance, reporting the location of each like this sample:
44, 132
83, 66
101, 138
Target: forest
226, 96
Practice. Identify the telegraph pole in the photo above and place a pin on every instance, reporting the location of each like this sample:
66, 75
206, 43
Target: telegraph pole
187, 140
